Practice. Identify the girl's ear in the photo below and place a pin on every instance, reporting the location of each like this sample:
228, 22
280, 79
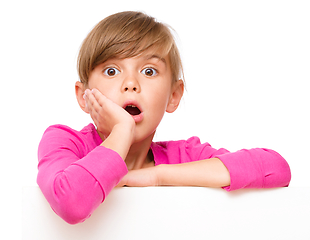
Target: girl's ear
176, 96
79, 92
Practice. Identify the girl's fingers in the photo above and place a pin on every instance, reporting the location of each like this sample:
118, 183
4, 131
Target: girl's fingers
87, 103
91, 101
100, 98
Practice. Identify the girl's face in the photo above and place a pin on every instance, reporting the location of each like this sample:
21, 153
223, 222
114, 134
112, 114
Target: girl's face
142, 85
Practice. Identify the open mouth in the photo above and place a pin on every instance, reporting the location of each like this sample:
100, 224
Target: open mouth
132, 110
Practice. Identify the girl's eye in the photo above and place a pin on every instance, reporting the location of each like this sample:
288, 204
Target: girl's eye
150, 72
111, 72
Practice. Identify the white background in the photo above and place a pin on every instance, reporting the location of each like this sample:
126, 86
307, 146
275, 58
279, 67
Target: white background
247, 70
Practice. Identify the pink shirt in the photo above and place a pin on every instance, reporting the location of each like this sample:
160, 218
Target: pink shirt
76, 174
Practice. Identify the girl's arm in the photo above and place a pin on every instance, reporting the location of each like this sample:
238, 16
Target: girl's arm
205, 173
73, 184
75, 181
253, 168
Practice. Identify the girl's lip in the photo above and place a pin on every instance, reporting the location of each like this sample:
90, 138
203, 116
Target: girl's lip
138, 118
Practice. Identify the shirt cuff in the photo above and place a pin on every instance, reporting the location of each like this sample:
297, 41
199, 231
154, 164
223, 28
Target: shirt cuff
244, 168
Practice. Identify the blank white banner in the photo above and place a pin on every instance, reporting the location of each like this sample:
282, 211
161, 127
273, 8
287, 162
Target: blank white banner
177, 213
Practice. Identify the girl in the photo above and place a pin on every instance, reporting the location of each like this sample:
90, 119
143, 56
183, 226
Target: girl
130, 75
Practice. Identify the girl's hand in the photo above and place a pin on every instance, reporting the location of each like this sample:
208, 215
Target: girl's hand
144, 177
106, 114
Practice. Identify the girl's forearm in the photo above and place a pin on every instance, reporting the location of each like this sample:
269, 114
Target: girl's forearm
120, 140
205, 173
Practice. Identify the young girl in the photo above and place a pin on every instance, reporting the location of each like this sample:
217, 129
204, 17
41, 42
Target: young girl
130, 72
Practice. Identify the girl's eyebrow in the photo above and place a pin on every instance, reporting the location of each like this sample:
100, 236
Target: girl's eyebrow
148, 57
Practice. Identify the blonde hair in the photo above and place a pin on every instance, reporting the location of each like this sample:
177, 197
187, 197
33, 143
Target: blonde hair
125, 35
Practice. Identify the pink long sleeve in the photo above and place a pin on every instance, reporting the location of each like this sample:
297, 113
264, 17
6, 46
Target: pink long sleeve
75, 174
256, 168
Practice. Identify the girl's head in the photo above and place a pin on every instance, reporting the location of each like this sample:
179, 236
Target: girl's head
134, 62
125, 35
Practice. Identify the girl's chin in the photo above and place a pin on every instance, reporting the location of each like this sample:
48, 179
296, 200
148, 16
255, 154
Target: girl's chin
141, 135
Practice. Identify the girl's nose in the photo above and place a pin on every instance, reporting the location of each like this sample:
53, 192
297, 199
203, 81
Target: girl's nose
131, 85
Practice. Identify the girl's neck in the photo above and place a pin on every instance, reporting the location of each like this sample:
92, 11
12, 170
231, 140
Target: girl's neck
138, 156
